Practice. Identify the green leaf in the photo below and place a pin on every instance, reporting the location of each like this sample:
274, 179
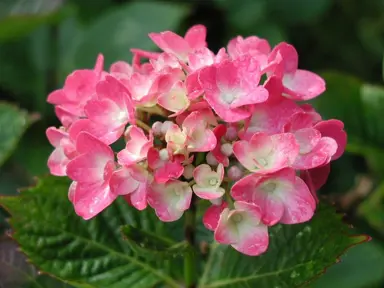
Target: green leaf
13, 123
117, 31
360, 267
20, 17
152, 245
296, 255
90, 254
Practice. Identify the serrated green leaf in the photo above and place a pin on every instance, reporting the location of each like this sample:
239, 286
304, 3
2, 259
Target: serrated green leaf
117, 31
89, 254
152, 245
296, 255
13, 123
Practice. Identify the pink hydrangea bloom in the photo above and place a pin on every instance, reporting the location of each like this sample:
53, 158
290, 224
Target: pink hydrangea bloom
230, 123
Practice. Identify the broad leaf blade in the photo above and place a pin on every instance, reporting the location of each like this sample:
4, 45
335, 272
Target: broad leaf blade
13, 123
86, 253
152, 245
296, 255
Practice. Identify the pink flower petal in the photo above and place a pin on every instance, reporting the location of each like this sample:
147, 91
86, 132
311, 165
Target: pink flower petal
220, 132
303, 85
299, 204
195, 36
242, 229
212, 216
266, 154
90, 199
334, 129
318, 156
136, 148
171, 170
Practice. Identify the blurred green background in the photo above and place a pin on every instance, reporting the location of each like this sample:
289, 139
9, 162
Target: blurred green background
41, 41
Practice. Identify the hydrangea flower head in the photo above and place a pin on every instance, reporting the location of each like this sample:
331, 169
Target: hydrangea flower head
223, 126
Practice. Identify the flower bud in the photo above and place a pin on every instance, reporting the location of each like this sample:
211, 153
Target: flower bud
156, 128
211, 160
235, 173
188, 171
227, 149
164, 155
166, 126
231, 134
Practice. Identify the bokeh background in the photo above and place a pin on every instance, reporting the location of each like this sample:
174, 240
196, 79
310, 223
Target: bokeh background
41, 41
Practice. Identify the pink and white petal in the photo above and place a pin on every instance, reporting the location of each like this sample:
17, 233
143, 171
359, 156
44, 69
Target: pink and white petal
220, 132
303, 85
307, 138
226, 231
71, 190
202, 141
106, 112
334, 129
139, 197
57, 162
252, 234
286, 149
55, 136
226, 113
300, 120
66, 117
121, 67
86, 169
90, 200
122, 183
254, 240
270, 118
289, 58
299, 204
257, 95
212, 215
207, 192
251, 189
101, 132
319, 156
87, 143
193, 86
195, 36
200, 174
170, 200
170, 171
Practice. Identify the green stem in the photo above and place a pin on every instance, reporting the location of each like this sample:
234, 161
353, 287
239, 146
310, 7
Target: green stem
190, 257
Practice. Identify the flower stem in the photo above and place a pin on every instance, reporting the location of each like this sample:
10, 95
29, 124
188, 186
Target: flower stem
141, 124
190, 257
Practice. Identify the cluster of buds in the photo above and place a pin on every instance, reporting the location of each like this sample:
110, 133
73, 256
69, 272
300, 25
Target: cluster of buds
228, 129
